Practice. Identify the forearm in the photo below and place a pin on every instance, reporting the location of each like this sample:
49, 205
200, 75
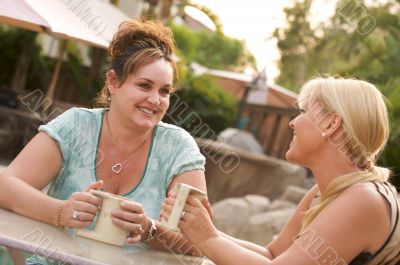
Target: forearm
20, 197
249, 245
224, 251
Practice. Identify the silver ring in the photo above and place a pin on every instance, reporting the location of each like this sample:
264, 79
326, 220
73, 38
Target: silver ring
75, 215
182, 215
140, 229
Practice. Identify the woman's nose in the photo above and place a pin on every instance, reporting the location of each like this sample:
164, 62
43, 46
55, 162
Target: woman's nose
154, 98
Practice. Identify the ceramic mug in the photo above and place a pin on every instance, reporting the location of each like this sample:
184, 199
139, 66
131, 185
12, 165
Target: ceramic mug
105, 230
182, 192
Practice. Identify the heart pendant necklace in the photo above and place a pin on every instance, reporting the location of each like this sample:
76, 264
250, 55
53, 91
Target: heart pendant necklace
118, 166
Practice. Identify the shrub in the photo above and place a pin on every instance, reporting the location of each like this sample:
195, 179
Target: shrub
203, 104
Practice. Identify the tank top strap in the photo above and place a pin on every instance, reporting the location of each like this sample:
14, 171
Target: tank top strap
388, 192
389, 253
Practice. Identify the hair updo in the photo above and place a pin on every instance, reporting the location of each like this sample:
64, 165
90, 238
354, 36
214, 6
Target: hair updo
137, 43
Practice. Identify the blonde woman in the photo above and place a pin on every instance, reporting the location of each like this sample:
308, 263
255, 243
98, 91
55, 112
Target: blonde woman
351, 216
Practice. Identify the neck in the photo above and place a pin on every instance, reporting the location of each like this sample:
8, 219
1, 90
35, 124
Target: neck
125, 135
326, 171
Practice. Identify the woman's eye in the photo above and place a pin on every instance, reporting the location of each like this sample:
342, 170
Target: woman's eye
165, 92
145, 86
302, 110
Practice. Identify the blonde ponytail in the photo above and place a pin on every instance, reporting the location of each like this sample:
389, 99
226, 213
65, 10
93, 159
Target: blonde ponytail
340, 184
365, 130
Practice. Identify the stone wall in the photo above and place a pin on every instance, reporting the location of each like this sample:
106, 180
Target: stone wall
233, 172
254, 217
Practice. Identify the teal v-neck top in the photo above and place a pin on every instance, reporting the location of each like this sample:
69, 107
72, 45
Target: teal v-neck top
77, 131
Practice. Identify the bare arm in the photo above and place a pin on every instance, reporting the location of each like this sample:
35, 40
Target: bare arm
32, 170
171, 241
21, 183
285, 238
264, 251
358, 216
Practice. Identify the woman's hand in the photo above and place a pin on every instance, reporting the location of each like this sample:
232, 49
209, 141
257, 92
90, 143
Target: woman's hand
132, 217
168, 204
81, 208
196, 222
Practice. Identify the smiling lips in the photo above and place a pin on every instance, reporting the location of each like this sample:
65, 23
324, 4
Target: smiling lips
147, 111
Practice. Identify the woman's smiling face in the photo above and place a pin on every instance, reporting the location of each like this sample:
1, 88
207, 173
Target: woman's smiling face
307, 138
144, 96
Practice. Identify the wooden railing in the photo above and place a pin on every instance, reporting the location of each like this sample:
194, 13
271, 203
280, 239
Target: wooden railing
270, 126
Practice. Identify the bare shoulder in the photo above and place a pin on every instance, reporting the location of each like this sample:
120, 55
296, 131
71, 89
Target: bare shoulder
38, 162
360, 203
364, 196
360, 214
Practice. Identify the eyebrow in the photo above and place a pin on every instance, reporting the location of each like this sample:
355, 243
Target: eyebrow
151, 81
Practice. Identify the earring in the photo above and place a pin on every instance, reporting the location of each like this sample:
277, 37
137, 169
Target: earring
109, 98
323, 134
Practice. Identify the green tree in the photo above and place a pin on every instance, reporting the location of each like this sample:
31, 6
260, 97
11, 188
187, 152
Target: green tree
202, 108
211, 49
294, 42
360, 41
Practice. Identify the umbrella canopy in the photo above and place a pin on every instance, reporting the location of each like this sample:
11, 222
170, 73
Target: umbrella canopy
91, 22
22, 15
111, 17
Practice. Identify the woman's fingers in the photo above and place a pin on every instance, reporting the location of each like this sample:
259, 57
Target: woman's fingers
94, 186
129, 216
134, 228
84, 216
81, 208
86, 207
80, 224
166, 211
208, 207
170, 200
134, 239
196, 223
86, 197
131, 206
167, 206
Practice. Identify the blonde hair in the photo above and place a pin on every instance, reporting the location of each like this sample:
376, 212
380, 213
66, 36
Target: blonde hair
365, 130
135, 44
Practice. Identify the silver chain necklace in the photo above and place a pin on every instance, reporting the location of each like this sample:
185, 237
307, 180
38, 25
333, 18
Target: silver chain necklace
117, 167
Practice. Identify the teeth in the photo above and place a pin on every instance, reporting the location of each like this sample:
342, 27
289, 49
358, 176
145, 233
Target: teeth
147, 111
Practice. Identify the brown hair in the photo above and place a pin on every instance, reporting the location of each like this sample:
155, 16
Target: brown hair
137, 43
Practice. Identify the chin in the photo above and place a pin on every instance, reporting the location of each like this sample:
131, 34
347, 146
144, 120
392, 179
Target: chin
145, 123
290, 156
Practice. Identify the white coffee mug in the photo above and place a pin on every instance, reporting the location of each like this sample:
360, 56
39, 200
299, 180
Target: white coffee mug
105, 230
182, 192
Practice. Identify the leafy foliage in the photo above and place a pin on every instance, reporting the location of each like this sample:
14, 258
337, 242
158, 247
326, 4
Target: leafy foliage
12, 43
202, 103
343, 46
200, 98
211, 49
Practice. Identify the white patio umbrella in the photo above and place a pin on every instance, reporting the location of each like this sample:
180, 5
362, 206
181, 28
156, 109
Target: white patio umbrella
91, 22
20, 14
